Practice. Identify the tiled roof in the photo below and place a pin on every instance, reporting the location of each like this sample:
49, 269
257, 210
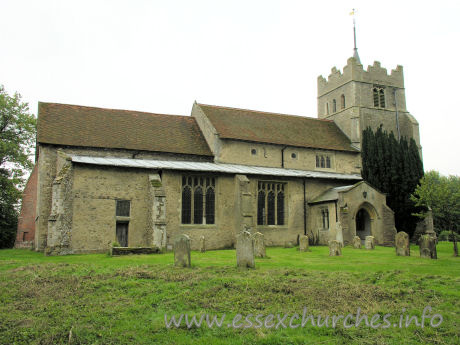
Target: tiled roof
290, 130
75, 125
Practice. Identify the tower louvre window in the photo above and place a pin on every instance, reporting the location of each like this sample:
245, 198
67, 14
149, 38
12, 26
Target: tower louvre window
375, 93
378, 94
334, 105
382, 98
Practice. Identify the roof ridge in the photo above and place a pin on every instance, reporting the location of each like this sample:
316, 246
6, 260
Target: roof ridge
111, 109
264, 112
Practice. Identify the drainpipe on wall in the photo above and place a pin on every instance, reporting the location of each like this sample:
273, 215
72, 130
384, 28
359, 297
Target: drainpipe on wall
336, 213
397, 114
282, 156
304, 210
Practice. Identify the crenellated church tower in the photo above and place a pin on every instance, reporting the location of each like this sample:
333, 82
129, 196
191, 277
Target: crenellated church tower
358, 98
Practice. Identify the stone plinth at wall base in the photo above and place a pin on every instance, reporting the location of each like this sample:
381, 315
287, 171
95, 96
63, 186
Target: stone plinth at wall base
135, 250
57, 250
24, 245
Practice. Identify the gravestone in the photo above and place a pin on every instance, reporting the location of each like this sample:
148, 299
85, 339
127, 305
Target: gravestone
369, 242
182, 251
427, 245
402, 244
202, 244
245, 250
335, 248
303, 244
259, 245
339, 233
356, 242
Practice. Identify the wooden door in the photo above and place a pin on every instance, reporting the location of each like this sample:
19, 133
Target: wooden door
122, 234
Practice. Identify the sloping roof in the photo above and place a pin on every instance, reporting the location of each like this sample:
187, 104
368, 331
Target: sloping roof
290, 130
209, 167
331, 194
75, 125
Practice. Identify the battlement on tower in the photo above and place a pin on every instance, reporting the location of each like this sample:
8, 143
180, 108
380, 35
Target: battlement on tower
354, 71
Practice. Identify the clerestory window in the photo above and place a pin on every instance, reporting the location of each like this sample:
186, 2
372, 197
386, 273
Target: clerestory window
323, 161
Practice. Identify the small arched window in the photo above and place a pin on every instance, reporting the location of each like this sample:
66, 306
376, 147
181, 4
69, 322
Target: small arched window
342, 101
322, 161
334, 106
327, 108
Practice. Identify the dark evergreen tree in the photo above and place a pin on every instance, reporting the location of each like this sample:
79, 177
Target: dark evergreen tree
394, 168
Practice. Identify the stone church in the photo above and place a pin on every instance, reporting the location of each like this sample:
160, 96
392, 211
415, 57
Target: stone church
141, 179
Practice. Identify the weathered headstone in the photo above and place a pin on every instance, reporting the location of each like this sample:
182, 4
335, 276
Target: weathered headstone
335, 248
202, 244
427, 245
339, 233
245, 250
303, 244
369, 242
402, 244
182, 251
356, 242
259, 245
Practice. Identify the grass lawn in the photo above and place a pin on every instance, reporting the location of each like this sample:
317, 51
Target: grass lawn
97, 299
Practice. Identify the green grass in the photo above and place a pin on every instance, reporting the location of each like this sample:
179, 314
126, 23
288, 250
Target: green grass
121, 300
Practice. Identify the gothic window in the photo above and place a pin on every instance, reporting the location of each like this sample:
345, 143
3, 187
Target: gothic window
323, 161
270, 203
327, 108
325, 218
379, 97
334, 106
122, 208
198, 200
342, 101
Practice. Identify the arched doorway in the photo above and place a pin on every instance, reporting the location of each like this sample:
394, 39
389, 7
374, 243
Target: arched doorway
363, 224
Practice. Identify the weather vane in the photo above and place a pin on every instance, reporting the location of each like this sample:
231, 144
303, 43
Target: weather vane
355, 49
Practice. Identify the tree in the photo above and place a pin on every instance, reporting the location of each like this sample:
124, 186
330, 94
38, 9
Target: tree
442, 195
17, 140
395, 168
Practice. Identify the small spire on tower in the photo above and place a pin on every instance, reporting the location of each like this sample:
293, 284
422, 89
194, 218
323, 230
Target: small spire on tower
355, 49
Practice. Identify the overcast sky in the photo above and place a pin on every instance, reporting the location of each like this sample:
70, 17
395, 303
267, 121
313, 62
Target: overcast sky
161, 56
